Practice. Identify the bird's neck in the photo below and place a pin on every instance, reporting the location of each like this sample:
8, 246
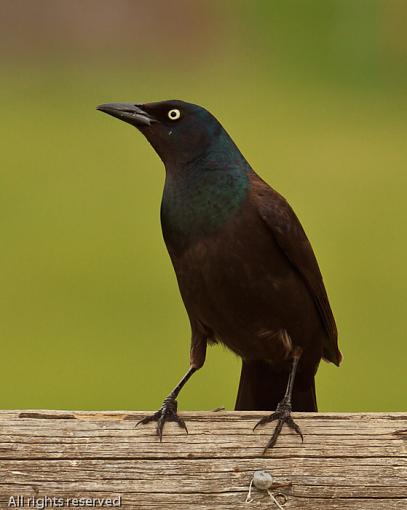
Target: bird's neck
204, 194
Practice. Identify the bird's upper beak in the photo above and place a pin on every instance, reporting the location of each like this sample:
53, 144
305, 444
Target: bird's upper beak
131, 113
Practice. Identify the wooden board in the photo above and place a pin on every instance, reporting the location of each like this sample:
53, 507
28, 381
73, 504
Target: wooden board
347, 461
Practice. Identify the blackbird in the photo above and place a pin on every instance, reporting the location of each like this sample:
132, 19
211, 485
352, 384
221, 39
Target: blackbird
246, 271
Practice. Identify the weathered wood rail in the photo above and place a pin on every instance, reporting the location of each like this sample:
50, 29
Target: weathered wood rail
347, 461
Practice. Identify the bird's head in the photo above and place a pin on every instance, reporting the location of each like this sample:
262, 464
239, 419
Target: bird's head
178, 131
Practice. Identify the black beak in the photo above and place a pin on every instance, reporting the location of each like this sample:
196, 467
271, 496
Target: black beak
131, 113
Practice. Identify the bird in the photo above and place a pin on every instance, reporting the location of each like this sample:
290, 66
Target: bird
246, 271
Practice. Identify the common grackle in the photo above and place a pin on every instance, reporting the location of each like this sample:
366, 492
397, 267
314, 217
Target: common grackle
245, 268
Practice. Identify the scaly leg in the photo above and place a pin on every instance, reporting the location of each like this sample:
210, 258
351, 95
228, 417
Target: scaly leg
283, 411
168, 410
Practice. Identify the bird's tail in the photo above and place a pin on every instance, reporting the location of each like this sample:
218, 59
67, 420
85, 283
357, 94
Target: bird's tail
261, 388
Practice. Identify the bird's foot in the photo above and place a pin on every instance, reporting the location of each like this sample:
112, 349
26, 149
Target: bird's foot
167, 412
283, 415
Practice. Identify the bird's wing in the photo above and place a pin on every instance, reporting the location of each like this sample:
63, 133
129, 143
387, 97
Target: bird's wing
292, 240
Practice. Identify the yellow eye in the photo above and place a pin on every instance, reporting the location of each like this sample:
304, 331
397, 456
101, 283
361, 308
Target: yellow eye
174, 114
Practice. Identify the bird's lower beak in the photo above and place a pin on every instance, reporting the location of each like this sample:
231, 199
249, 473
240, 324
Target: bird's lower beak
131, 113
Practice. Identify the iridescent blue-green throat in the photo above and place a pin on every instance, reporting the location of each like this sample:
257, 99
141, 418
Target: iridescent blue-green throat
203, 194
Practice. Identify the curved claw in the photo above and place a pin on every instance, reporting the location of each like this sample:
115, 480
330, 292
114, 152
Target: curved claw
291, 423
266, 419
147, 419
272, 441
160, 426
181, 423
283, 415
167, 412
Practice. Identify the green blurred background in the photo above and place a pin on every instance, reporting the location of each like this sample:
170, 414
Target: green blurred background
314, 94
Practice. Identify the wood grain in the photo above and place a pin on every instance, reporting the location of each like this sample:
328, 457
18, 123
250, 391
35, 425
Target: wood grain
347, 461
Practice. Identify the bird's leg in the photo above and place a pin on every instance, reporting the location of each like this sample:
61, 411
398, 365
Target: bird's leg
168, 410
283, 411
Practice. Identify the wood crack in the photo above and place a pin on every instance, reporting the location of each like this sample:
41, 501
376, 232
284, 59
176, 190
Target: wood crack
347, 461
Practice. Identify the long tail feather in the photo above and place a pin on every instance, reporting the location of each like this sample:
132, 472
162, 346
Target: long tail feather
261, 388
